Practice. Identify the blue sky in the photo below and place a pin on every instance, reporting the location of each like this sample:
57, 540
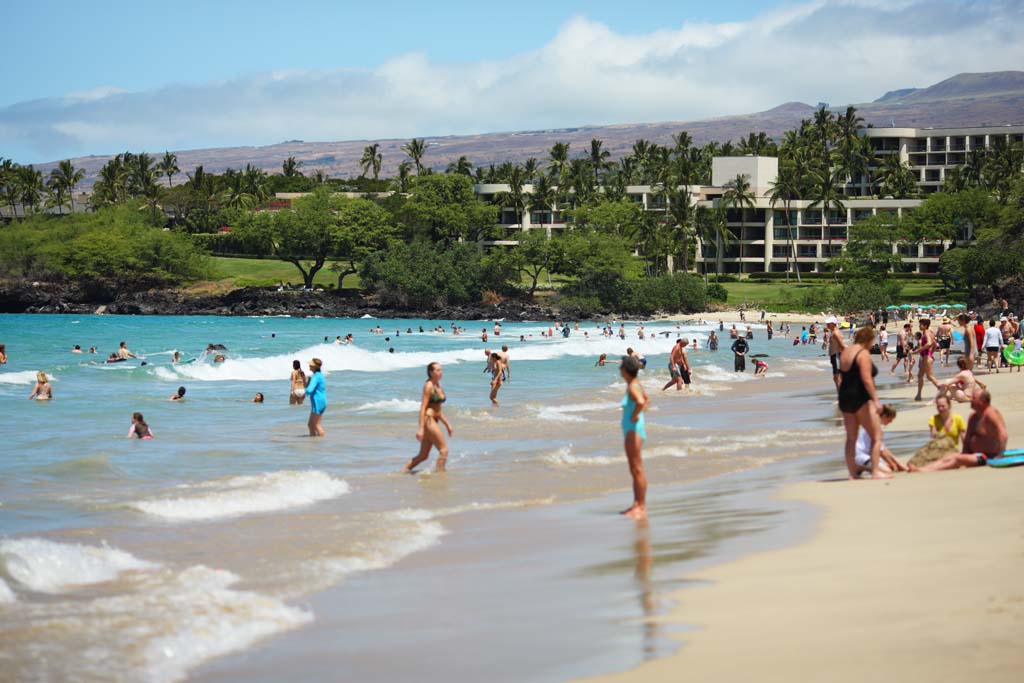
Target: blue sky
107, 76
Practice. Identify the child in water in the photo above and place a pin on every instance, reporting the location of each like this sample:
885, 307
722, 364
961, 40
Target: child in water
139, 427
760, 367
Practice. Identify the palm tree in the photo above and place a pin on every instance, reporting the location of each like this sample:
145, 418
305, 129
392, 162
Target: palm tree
415, 149
824, 126
559, 159
319, 177
514, 195
680, 210
598, 159
402, 179
460, 167
55, 191
9, 184
290, 168
67, 177
738, 195
531, 167
786, 188
542, 199
237, 194
30, 186
371, 160
712, 227
895, 178
824, 192
168, 166
112, 184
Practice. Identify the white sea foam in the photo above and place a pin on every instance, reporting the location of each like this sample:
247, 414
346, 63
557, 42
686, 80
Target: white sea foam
244, 495
410, 531
392, 405
203, 617
567, 413
6, 594
23, 377
564, 457
353, 358
51, 567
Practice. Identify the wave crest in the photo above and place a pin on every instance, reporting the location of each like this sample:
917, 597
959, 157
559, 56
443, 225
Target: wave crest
51, 567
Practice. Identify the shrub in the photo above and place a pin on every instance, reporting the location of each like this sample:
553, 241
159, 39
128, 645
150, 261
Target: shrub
717, 292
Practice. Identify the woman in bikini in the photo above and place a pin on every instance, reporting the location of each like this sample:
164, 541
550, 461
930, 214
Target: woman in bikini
298, 384
429, 433
43, 391
858, 401
497, 374
927, 351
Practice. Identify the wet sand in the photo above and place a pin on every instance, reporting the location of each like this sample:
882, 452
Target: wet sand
547, 593
916, 578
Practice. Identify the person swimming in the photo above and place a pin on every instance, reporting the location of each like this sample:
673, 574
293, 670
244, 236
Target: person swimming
258, 398
43, 390
139, 428
179, 395
429, 433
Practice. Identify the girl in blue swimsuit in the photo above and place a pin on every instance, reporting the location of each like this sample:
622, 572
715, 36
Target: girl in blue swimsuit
635, 433
317, 392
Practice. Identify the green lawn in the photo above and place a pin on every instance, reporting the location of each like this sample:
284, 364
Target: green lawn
780, 296
249, 272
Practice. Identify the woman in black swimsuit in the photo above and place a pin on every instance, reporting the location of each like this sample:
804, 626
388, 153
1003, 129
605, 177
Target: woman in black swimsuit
858, 400
429, 433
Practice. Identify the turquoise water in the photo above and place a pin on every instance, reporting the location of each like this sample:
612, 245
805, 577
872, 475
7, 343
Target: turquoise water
206, 539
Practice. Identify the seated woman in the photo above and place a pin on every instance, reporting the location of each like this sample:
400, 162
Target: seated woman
887, 462
961, 386
984, 439
945, 421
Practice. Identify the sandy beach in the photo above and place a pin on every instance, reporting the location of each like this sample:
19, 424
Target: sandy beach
916, 578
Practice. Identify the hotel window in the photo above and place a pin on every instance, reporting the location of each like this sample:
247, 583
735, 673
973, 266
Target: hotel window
811, 217
807, 250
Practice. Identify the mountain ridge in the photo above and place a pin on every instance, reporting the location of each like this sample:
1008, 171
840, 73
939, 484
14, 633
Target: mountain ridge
967, 99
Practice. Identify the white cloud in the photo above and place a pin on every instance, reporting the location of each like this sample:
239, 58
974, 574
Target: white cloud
839, 51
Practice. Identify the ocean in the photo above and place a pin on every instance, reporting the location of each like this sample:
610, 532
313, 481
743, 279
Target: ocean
233, 533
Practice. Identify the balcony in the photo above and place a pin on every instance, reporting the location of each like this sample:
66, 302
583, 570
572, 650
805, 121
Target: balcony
809, 234
807, 251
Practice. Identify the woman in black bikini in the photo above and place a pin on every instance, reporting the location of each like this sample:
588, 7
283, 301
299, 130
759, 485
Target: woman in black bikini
429, 433
858, 400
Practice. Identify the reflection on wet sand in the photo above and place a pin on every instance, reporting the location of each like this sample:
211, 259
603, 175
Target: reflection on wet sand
645, 589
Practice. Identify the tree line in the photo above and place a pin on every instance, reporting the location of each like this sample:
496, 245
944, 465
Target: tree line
439, 213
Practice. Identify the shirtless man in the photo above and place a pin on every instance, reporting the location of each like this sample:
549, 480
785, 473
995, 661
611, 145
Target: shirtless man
504, 359
944, 338
970, 352
123, 353
673, 366
985, 438
835, 347
960, 387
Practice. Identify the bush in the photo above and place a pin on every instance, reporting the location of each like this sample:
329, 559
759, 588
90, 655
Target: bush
867, 295
717, 292
678, 293
422, 275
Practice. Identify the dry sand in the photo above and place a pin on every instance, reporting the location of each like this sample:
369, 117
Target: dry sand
753, 317
913, 579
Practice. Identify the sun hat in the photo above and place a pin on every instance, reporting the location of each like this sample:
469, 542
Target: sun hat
831, 320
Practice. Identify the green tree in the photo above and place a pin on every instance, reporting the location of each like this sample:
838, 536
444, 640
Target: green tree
460, 167
371, 160
558, 161
290, 168
739, 196
30, 188
65, 178
443, 208
415, 149
9, 184
303, 236
786, 188
168, 166
542, 199
363, 228
870, 249
681, 214
825, 192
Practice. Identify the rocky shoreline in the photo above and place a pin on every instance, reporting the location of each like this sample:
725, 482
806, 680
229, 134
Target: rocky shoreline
248, 301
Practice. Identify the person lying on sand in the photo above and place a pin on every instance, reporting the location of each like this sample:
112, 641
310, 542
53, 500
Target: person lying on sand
961, 386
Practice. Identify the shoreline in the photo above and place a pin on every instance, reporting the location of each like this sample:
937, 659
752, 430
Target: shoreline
894, 578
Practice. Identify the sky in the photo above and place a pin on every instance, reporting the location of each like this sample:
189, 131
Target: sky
107, 76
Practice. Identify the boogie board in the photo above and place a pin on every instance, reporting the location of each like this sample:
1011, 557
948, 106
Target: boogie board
1010, 459
1013, 357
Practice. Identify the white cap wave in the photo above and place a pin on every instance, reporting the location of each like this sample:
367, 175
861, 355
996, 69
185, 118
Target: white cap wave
243, 495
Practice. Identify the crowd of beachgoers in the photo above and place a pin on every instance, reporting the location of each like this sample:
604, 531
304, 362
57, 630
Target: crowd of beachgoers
953, 441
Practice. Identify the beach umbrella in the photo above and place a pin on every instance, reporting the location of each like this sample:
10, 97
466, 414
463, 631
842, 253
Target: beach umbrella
892, 308
907, 306
958, 306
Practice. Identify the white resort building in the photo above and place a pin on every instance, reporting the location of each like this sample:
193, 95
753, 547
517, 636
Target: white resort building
761, 237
